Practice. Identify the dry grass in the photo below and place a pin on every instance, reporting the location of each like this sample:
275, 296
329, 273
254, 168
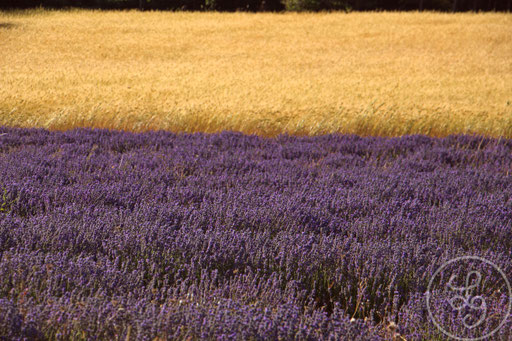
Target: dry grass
364, 73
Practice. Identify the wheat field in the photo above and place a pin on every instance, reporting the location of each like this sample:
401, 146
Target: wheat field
385, 74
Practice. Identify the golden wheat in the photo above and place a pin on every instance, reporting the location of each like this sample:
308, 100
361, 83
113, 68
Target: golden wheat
363, 73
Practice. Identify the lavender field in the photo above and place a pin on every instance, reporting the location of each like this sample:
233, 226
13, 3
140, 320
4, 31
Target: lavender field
121, 236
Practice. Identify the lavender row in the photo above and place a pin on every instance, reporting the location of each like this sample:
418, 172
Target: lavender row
115, 235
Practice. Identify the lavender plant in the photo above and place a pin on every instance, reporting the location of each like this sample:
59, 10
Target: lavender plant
120, 236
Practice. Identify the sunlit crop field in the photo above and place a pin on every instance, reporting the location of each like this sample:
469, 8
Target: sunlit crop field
363, 73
